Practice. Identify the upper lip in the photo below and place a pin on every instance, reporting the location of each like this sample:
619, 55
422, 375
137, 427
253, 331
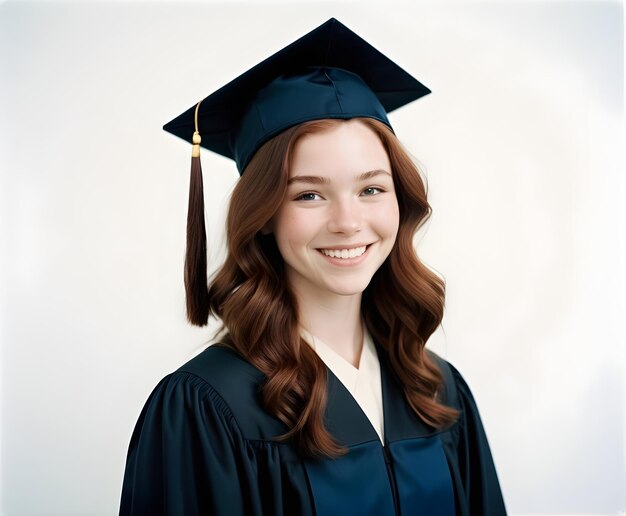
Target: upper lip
345, 246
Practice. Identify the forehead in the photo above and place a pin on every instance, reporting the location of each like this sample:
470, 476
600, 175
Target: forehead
347, 148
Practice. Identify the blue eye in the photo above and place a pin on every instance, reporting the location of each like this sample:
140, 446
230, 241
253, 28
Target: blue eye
307, 196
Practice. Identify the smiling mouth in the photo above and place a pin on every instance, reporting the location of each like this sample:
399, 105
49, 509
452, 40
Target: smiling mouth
345, 254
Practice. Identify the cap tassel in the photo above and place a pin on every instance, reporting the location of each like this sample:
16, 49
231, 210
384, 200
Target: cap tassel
196, 287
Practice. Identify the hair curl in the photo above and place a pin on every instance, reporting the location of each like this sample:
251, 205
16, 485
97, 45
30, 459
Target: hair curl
402, 306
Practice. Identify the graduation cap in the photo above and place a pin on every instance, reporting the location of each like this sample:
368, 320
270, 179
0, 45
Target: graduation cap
330, 72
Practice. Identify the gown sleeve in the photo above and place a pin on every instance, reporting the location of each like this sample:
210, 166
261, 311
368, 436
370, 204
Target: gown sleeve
478, 489
184, 456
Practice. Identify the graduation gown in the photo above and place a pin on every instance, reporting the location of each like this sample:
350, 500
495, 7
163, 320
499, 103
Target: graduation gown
202, 446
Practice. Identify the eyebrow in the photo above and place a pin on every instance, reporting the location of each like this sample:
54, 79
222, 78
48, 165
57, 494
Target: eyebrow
319, 180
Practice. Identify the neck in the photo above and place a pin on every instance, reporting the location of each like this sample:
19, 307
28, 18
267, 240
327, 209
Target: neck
336, 320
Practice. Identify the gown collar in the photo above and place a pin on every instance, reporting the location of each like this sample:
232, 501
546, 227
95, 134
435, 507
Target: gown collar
347, 422
343, 416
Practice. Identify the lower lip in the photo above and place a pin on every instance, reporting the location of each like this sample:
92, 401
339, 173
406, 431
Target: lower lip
346, 262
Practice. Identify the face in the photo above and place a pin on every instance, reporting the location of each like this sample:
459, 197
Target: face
339, 220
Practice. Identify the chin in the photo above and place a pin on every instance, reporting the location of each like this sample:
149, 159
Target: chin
348, 290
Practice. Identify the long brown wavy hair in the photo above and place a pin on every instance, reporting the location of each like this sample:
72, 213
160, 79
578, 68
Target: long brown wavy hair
402, 306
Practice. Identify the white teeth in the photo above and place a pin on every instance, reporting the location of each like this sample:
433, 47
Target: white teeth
344, 253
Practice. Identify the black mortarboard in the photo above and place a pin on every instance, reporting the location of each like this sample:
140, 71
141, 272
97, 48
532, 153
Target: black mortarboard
328, 73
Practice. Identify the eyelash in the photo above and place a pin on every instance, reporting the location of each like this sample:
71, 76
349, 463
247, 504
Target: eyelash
300, 197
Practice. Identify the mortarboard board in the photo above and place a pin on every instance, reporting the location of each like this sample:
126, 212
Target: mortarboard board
330, 72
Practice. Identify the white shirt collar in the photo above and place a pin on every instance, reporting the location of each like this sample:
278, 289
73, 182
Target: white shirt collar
363, 383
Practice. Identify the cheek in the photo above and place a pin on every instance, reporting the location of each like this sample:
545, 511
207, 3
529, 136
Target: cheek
395, 220
290, 228
387, 219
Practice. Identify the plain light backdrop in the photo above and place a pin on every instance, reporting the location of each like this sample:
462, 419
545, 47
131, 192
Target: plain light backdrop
520, 144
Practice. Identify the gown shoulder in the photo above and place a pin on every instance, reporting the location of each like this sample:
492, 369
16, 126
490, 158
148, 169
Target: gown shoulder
196, 450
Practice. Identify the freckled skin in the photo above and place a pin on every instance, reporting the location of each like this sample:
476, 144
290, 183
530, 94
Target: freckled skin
346, 211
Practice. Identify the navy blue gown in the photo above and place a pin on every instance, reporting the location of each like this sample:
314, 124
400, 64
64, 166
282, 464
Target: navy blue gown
202, 446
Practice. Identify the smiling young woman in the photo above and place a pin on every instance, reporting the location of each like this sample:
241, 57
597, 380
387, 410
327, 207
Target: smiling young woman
292, 276
319, 396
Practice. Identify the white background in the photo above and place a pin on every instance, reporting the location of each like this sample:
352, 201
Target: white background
519, 141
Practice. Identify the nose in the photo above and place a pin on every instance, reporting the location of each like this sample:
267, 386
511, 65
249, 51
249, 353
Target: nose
345, 216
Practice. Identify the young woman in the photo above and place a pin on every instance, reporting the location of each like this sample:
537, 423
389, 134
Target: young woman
319, 397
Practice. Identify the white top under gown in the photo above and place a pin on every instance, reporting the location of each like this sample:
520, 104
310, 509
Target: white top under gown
363, 383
